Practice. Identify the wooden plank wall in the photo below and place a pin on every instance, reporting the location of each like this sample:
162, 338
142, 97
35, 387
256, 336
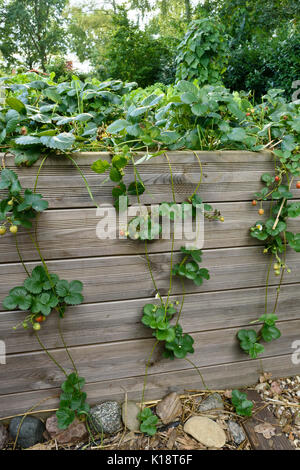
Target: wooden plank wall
107, 340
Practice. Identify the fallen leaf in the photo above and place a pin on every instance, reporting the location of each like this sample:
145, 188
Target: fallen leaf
266, 429
275, 388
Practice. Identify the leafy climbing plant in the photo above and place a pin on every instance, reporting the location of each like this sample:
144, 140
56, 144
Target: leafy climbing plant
203, 52
242, 405
17, 209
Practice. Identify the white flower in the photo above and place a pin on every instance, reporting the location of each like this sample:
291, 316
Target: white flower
259, 227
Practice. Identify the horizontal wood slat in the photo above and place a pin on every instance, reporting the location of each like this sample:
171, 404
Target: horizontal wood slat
227, 176
233, 375
35, 371
127, 277
71, 233
108, 342
119, 321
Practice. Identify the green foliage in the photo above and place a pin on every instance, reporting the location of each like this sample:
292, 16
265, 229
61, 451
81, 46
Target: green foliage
133, 55
264, 43
148, 421
249, 342
274, 230
189, 267
202, 53
72, 401
259, 65
40, 116
16, 209
158, 318
41, 293
143, 228
180, 346
243, 406
35, 30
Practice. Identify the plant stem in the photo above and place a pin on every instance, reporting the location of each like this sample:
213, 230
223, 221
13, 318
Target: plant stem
50, 355
151, 273
84, 179
281, 207
172, 181
20, 256
201, 175
38, 173
267, 284
173, 237
182, 302
146, 370
66, 347
198, 370
281, 277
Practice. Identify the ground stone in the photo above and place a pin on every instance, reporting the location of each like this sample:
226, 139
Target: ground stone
236, 432
130, 411
206, 431
31, 431
212, 402
3, 436
106, 417
169, 408
76, 432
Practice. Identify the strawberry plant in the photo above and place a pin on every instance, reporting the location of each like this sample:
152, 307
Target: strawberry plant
16, 209
148, 421
273, 232
189, 266
41, 293
143, 228
243, 406
72, 401
158, 319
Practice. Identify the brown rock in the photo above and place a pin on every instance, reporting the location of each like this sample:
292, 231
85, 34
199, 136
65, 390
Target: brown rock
76, 432
169, 408
206, 431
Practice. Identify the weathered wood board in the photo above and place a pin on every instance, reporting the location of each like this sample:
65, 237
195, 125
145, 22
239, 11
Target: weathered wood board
108, 342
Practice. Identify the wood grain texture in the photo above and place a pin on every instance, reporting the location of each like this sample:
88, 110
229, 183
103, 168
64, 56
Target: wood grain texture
61, 234
35, 371
120, 321
227, 176
232, 375
127, 277
261, 415
107, 340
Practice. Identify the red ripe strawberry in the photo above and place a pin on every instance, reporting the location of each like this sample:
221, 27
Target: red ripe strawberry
298, 185
40, 319
254, 202
248, 114
277, 179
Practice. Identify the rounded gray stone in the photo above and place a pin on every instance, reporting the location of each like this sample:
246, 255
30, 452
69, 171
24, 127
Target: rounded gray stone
31, 431
106, 417
236, 432
212, 402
